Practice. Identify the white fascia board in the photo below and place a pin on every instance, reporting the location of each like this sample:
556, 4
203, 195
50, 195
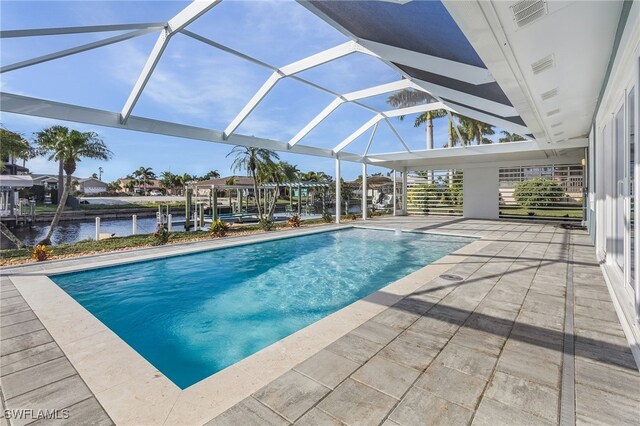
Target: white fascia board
480, 24
288, 70
433, 64
465, 98
353, 136
480, 150
316, 120
415, 109
189, 14
489, 119
36, 32
74, 50
18, 104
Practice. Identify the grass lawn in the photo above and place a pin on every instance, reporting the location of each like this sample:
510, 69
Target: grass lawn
519, 211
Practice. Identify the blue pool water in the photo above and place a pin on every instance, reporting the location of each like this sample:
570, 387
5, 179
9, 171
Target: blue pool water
193, 315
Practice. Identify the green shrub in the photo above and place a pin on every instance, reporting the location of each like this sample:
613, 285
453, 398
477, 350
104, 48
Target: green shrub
219, 228
161, 236
327, 218
266, 224
538, 192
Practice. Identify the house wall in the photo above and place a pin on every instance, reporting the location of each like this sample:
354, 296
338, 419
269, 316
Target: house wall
480, 186
613, 173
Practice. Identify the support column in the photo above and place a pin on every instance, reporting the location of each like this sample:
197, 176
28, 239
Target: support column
214, 203
395, 194
299, 200
404, 191
338, 192
364, 191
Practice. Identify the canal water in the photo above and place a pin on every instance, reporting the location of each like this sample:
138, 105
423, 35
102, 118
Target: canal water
74, 231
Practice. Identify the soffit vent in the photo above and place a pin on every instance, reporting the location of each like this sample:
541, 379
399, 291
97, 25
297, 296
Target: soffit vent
549, 94
542, 65
527, 11
553, 112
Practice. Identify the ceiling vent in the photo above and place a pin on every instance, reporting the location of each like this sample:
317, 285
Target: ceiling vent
527, 11
556, 125
558, 134
549, 94
542, 65
553, 112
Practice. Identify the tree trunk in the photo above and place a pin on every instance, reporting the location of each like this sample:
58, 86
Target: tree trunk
429, 145
56, 218
60, 181
272, 207
255, 192
9, 236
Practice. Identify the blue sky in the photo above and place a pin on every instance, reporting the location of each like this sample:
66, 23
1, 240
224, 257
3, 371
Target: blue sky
196, 84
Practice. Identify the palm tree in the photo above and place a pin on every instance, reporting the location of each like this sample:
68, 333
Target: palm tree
144, 175
410, 97
13, 146
251, 159
168, 181
213, 174
510, 137
474, 130
69, 147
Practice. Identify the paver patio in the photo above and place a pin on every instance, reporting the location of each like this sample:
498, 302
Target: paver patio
495, 347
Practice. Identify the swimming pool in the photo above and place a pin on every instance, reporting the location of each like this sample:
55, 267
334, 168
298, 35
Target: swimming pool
193, 315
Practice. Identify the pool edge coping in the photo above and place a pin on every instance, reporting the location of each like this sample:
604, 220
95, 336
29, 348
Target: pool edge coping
133, 391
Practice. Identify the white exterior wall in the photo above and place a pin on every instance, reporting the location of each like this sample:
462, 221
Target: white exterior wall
607, 192
480, 193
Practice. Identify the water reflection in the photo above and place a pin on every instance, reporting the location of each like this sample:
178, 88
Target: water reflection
74, 231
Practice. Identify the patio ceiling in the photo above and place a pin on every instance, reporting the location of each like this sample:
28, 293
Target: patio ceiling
475, 58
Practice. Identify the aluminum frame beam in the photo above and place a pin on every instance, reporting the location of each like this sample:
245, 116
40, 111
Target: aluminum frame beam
286, 71
78, 30
266, 65
18, 104
74, 50
189, 14
436, 65
385, 116
349, 97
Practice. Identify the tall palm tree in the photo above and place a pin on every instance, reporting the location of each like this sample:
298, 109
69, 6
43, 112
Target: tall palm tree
69, 147
13, 146
410, 97
168, 180
474, 130
213, 174
144, 175
251, 159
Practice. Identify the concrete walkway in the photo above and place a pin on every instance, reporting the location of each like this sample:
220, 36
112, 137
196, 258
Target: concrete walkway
521, 332
490, 349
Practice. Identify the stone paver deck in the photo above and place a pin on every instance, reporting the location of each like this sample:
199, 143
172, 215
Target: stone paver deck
487, 350
35, 374
529, 335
